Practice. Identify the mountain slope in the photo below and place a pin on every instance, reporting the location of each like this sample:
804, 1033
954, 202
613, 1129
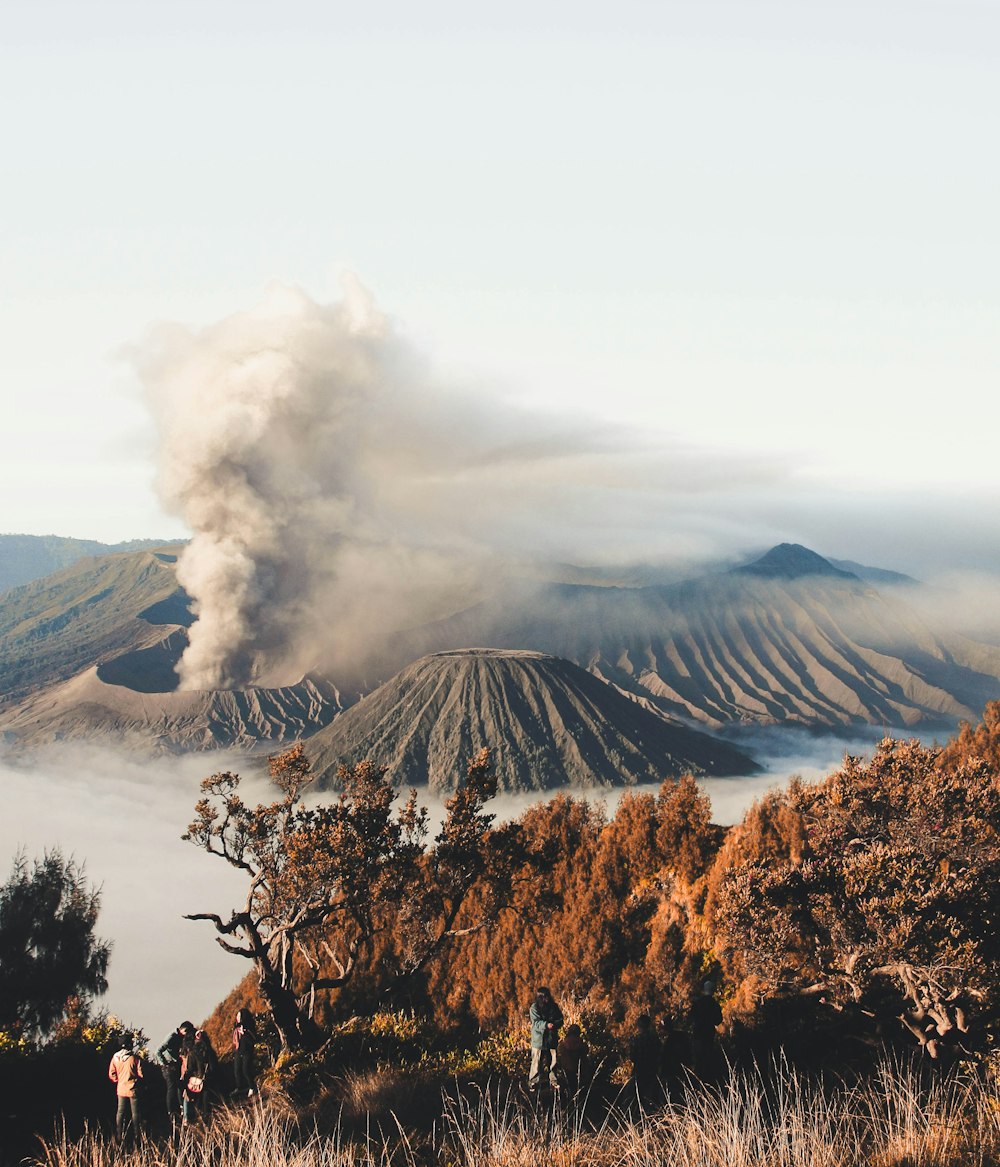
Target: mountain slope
27, 557
98, 608
795, 640
548, 723
88, 654
88, 709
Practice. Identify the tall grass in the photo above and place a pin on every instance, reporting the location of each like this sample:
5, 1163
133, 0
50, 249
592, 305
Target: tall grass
778, 1119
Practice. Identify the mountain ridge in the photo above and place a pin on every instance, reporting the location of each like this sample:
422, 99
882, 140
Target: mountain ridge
24, 558
798, 641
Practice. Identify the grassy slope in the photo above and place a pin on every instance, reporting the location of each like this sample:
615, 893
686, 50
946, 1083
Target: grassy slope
24, 558
53, 628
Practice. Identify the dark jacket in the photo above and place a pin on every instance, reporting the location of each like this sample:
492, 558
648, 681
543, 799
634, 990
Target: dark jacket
544, 1013
169, 1054
200, 1061
244, 1032
572, 1053
705, 1015
644, 1050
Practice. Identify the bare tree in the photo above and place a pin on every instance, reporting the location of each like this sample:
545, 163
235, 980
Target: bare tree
326, 881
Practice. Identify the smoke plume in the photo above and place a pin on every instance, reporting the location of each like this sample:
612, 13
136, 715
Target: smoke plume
338, 492
307, 452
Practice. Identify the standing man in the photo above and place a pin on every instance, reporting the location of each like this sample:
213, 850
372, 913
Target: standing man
169, 1058
244, 1040
644, 1050
704, 1019
546, 1018
126, 1073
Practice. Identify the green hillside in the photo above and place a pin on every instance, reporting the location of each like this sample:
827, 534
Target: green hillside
97, 608
24, 558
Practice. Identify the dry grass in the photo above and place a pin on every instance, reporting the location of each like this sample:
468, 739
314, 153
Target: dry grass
780, 1120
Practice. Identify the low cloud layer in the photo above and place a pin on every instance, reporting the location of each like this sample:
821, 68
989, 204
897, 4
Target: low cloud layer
123, 819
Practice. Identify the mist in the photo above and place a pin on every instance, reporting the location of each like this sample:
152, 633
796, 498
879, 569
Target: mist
123, 820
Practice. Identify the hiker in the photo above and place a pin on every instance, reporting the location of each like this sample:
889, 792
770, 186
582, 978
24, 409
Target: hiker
244, 1039
675, 1057
125, 1071
644, 1051
546, 1018
200, 1062
169, 1058
572, 1056
704, 1019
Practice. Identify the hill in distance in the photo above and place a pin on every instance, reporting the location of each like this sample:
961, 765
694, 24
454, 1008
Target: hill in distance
89, 652
27, 557
92, 612
790, 639
547, 722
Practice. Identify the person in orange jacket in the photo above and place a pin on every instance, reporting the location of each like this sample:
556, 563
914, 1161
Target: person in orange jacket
125, 1071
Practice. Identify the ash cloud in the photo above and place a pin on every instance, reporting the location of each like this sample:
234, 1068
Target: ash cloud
341, 494
338, 492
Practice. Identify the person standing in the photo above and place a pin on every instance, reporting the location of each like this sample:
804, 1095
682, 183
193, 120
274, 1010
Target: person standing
572, 1055
200, 1062
244, 1040
675, 1057
644, 1052
704, 1019
169, 1058
546, 1019
125, 1071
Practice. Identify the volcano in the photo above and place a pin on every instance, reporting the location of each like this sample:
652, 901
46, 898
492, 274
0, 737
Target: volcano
547, 722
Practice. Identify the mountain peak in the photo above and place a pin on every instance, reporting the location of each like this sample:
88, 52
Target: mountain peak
792, 561
547, 721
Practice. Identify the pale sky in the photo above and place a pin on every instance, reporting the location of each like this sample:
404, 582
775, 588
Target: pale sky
749, 227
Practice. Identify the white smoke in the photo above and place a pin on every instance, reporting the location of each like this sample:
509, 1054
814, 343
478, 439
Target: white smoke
338, 492
280, 427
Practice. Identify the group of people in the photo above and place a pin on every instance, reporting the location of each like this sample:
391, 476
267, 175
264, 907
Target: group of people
660, 1054
189, 1066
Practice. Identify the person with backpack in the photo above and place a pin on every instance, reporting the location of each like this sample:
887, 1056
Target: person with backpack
573, 1056
125, 1071
644, 1051
704, 1019
546, 1019
199, 1061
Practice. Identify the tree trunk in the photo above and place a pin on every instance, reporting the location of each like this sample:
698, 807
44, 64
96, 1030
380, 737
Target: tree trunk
288, 1017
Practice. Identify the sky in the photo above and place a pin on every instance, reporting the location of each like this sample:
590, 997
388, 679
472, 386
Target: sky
750, 233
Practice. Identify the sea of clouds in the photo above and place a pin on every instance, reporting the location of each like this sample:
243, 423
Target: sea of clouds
124, 817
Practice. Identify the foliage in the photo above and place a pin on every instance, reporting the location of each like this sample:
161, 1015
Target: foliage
613, 930
861, 910
885, 909
333, 886
63, 1079
48, 914
975, 743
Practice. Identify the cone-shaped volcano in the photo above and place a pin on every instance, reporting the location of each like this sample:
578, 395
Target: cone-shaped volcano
548, 723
